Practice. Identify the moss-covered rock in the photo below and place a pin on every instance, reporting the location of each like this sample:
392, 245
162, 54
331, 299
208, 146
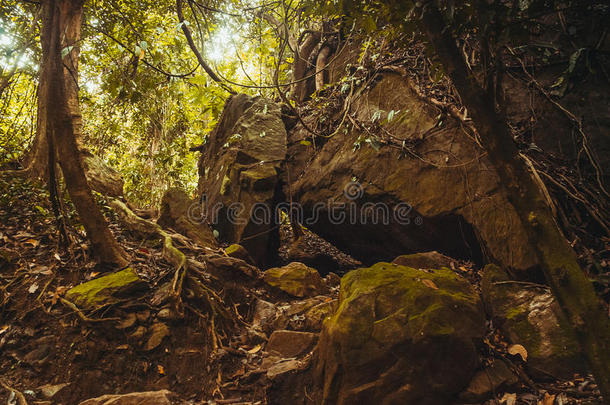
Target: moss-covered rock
239, 164
296, 279
400, 335
105, 290
239, 252
529, 315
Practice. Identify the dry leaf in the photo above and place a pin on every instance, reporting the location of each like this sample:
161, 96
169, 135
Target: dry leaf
3, 329
32, 242
33, 288
57, 257
160, 369
429, 283
122, 347
508, 399
547, 400
518, 349
254, 349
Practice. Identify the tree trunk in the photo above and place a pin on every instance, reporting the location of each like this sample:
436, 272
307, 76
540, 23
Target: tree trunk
301, 64
62, 119
36, 161
568, 283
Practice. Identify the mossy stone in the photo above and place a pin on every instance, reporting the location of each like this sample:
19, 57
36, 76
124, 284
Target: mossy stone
296, 279
529, 315
105, 289
400, 335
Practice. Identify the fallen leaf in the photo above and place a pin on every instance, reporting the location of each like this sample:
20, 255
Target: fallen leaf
56, 256
508, 399
429, 283
122, 347
3, 329
547, 400
32, 242
160, 369
33, 288
254, 349
518, 349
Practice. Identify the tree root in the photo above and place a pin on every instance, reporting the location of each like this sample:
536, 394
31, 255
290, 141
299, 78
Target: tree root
179, 260
20, 397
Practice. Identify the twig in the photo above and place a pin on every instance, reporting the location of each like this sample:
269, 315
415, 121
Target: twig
20, 397
82, 316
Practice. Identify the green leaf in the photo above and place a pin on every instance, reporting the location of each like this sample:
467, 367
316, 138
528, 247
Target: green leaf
306, 143
369, 24
66, 51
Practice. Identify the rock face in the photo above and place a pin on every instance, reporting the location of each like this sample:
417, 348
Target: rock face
181, 213
296, 279
105, 289
239, 165
440, 190
399, 336
530, 316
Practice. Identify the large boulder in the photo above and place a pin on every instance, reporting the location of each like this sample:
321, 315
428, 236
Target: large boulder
296, 279
184, 215
529, 316
238, 172
399, 336
427, 184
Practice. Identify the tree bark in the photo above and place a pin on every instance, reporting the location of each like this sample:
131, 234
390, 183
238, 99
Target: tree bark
568, 283
321, 62
63, 122
36, 161
300, 67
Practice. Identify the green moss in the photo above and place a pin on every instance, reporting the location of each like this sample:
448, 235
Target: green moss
232, 249
102, 290
395, 297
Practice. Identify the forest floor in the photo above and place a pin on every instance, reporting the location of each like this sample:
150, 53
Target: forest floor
52, 353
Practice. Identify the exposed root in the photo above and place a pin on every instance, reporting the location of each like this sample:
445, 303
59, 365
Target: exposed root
82, 316
20, 397
182, 276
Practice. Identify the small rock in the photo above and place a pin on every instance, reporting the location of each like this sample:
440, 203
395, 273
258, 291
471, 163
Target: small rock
288, 343
157, 333
166, 314
134, 398
282, 367
138, 333
264, 313
426, 260
488, 381
296, 279
127, 322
